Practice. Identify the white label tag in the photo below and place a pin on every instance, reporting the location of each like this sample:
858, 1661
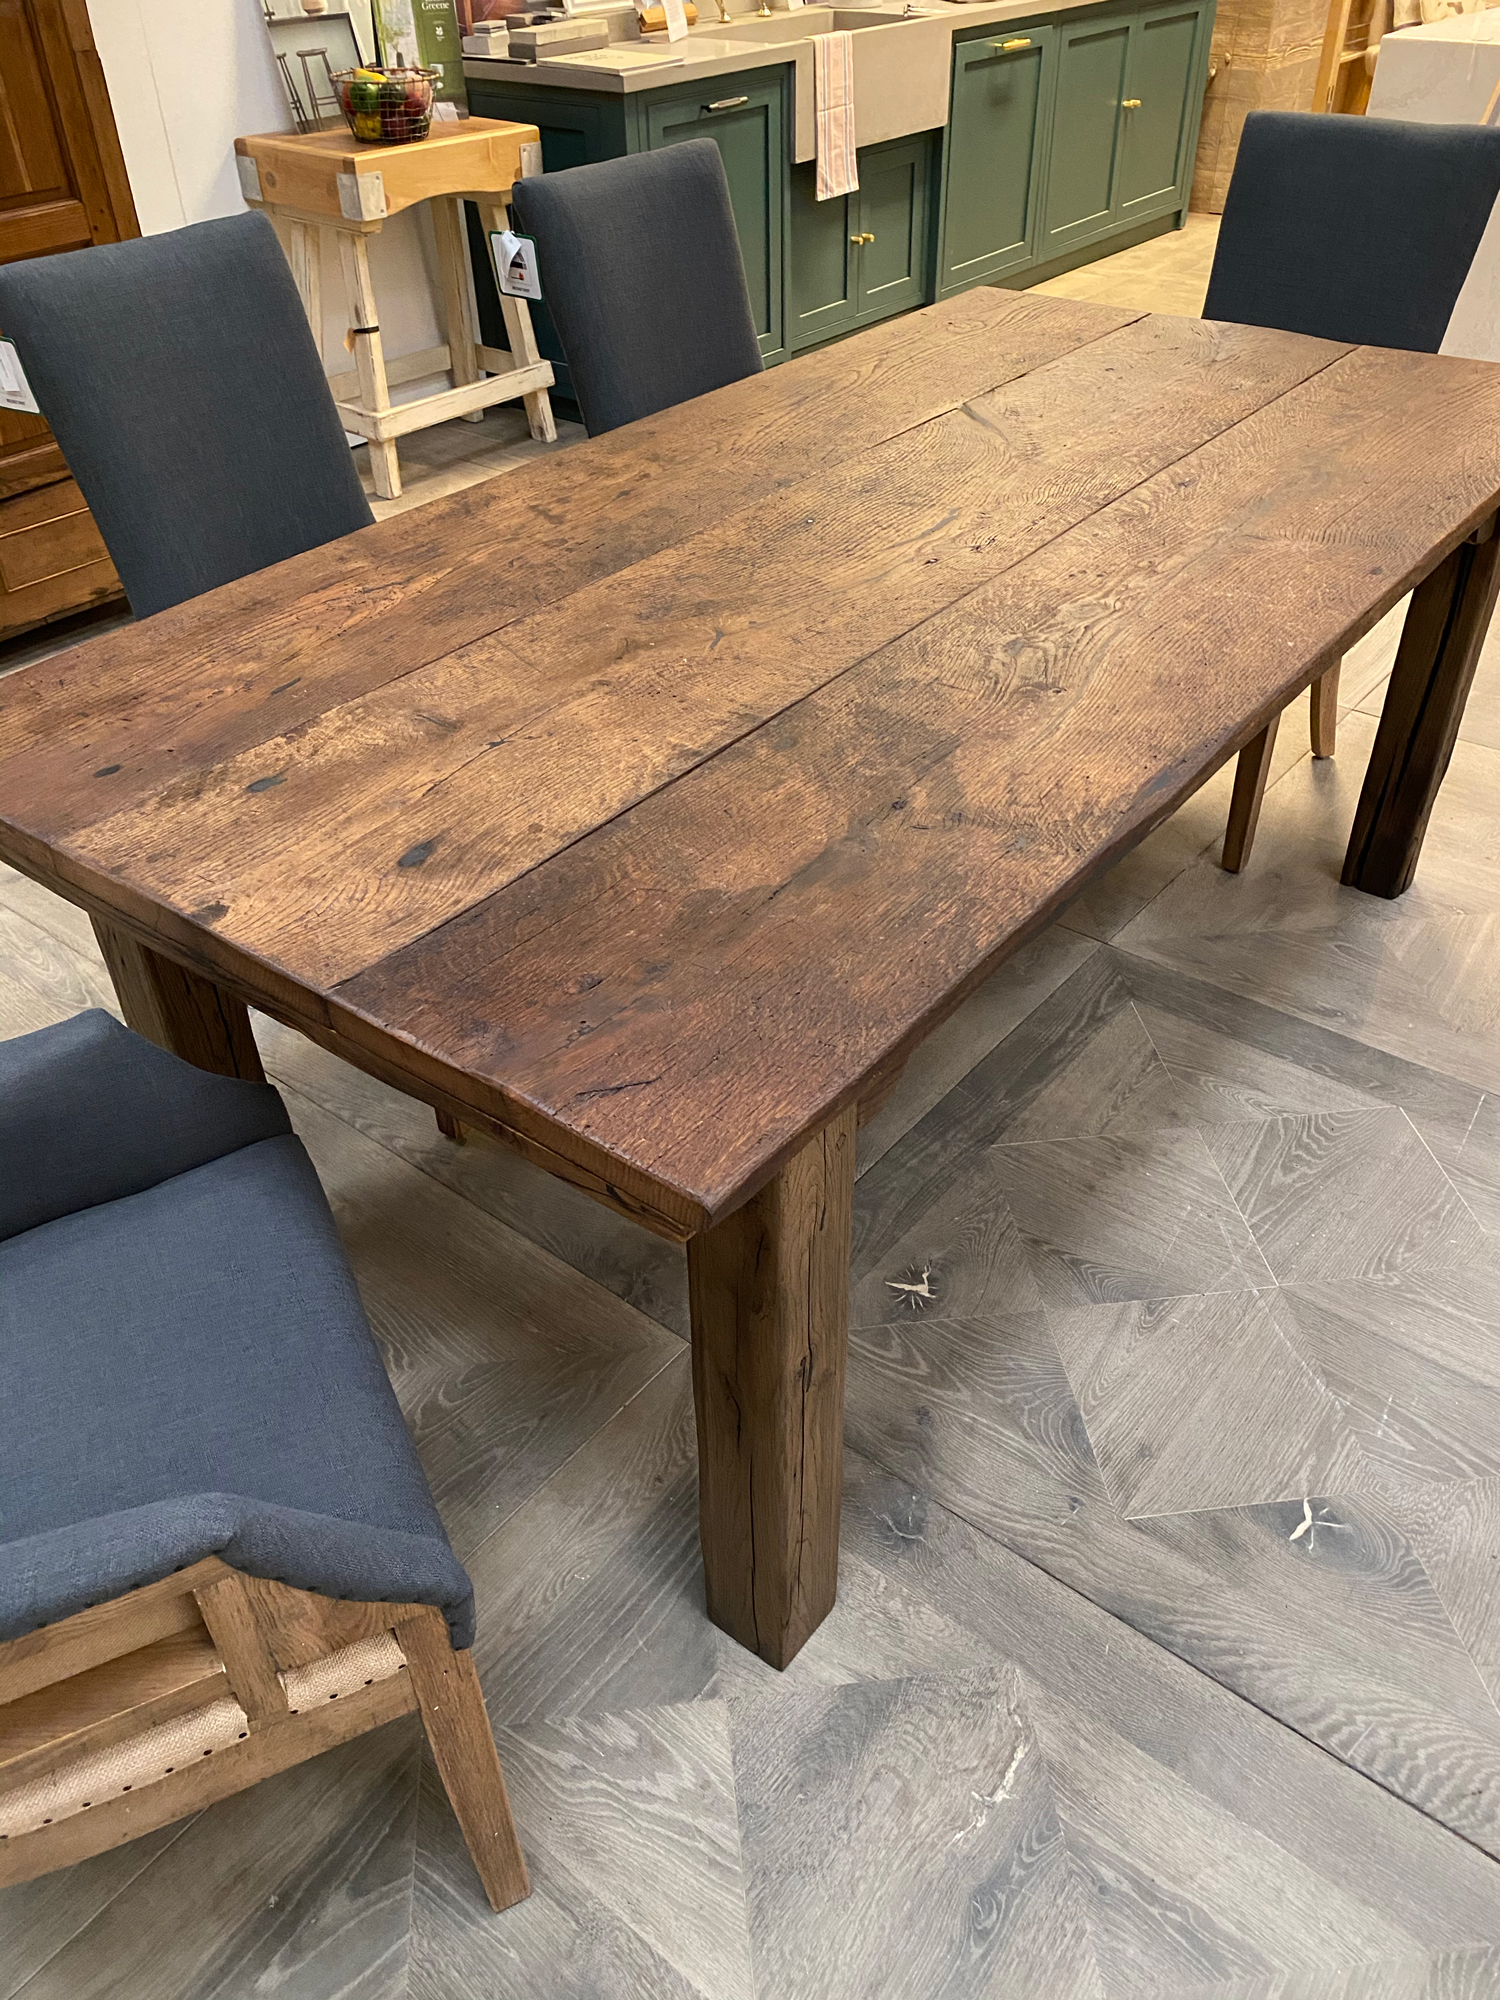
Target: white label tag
676, 20
15, 390
531, 158
249, 174
793, 5
515, 264
444, 113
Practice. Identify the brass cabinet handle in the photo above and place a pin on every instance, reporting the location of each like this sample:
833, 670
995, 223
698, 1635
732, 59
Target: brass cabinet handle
1130, 104
867, 237
1005, 48
727, 104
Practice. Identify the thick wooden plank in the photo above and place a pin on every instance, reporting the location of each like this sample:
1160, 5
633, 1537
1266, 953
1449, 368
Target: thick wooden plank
177, 1009
118, 719
770, 1305
697, 985
455, 780
302, 169
1424, 705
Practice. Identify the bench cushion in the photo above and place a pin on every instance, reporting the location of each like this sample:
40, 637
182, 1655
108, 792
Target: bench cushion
90, 1112
189, 1372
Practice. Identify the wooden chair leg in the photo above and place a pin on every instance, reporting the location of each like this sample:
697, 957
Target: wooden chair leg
1325, 712
458, 1728
449, 1126
1249, 789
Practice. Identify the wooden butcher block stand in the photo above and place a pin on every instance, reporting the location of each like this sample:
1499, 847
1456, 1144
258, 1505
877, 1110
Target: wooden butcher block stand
316, 181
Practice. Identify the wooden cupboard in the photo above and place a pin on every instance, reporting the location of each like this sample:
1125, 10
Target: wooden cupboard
62, 187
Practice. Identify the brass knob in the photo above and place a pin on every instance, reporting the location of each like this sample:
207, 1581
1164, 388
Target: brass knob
867, 237
1023, 42
1130, 104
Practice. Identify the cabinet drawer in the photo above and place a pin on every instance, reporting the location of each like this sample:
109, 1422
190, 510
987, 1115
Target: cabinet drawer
47, 533
52, 557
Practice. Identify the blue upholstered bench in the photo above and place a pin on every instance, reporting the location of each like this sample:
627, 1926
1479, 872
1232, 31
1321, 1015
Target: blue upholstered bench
220, 1551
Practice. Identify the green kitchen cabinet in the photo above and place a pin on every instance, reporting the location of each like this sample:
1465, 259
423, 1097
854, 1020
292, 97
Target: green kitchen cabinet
1129, 93
1161, 127
744, 118
858, 258
1093, 62
745, 114
1065, 131
995, 153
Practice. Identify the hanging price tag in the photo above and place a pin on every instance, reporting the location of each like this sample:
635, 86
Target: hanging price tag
515, 262
15, 390
676, 20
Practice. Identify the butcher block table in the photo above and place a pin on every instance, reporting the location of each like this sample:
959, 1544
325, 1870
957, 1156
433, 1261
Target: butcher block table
646, 807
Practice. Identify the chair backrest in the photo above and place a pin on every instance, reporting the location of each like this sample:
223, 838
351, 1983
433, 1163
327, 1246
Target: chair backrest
641, 271
181, 379
1359, 229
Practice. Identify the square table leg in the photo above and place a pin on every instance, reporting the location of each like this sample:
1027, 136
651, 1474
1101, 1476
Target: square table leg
770, 1309
178, 1009
1439, 650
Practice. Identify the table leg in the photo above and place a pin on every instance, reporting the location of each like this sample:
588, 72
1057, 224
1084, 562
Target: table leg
770, 1307
369, 356
452, 255
1440, 643
179, 1010
495, 215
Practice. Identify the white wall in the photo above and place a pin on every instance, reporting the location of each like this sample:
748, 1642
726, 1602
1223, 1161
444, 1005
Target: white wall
188, 77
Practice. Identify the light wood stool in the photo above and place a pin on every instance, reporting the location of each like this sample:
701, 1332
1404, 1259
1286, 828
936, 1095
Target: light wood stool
311, 182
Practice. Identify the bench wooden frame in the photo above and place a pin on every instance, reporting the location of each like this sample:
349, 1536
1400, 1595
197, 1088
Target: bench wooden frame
110, 1673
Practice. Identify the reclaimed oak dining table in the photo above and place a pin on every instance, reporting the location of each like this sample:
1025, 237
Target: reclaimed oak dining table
647, 806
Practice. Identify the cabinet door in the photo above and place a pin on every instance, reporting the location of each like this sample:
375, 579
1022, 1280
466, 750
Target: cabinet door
1083, 166
996, 130
1164, 51
747, 126
823, 261
892, 209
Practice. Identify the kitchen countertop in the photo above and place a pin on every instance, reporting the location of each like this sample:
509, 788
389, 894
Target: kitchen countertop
891, 99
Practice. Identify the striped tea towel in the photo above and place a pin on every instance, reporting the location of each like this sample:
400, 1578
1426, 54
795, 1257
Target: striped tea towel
833, 111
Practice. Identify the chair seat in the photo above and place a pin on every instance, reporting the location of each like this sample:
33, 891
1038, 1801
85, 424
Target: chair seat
189, 1372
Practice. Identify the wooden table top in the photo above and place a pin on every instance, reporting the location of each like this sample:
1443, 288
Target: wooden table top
651, 802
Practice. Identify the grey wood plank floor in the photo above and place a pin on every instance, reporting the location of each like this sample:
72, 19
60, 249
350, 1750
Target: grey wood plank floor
1167, 1655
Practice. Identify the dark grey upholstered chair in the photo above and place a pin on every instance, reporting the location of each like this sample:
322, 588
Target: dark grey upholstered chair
1355, 229
641, 271
1359, 229
194, 1405
181, 379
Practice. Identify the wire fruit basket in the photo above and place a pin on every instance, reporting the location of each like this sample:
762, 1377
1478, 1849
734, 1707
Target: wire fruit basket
387, 107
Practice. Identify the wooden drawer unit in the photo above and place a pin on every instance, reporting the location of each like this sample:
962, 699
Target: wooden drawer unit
52, 557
